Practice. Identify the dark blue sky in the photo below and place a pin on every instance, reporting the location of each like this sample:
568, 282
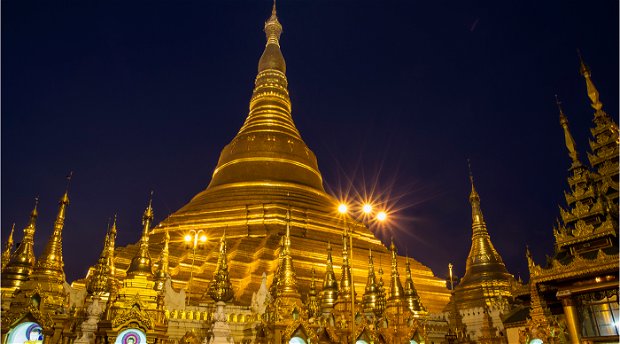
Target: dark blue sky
141, 95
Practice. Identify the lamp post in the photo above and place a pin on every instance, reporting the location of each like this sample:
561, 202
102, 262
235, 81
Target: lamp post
194, 240
367, 212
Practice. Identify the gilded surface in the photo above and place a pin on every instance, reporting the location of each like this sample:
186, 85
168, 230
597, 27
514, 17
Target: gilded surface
264, 173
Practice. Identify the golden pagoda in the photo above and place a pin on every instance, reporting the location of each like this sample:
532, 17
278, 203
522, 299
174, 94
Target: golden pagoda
266, 172
486, 279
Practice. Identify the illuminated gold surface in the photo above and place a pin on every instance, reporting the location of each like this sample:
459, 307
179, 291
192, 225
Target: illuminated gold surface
329, 293
22, 260
103, 278
263, 173
371, 293
163, 270
486, 278
141, 263
6, 254
220, 288
43, 294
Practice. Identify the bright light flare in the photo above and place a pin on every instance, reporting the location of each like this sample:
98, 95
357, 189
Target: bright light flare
367, 208
342, 208
188, 238
382, 216
203, 238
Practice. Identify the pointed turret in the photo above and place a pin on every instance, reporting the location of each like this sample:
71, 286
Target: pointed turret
6, 254
163, 273
269, 147
486, 277
141, 263
312, 300
396, 288
371, 293
220, 288
287, 280
346, 282
483, 261
329, 294
592, 91
22, 261
381, 299
102, 279
568, 138
411, 294
50, 262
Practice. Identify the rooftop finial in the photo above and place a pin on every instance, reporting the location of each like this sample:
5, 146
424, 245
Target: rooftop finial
592, 91
568, 138
273, 9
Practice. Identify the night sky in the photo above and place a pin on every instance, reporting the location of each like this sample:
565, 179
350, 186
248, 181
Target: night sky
136, 96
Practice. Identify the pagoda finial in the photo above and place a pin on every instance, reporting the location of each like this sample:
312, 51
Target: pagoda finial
568, 138
162, 271
312, 301
51, 262
592, 91
141, 263
220, 288
330, 284
273, 28
346, 281
371, 293
6, 255
474, 199
287, 279
411, 294
21, 263
381, 300
103, 279
396, 287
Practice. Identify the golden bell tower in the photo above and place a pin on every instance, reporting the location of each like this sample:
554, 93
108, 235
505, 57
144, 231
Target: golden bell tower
265, 172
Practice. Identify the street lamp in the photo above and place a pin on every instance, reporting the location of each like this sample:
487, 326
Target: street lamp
194, 240
367, 212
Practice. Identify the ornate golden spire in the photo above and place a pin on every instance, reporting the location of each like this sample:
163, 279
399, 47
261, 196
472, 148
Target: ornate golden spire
483, 262
51, 263
592, 91
312, 301
371, 293
220, 288
162, 271
287, 279
6, 255
103, 279
396, 287
381, 299
346, 282
568, 138
411, 294
22, 260
268, 146
141, 263
330, 284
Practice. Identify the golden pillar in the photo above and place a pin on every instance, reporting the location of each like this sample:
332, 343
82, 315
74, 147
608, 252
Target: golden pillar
571, 315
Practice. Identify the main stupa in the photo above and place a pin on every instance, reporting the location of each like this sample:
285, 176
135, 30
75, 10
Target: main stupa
266, 172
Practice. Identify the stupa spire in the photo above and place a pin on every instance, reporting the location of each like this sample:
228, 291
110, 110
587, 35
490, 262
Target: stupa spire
220, 288
592, 91
411, 294
51, 263
346, 281
396, 287
483, 261
102, 279
312, 301
287, 279
568, 138
22, 260
268, 146
330, 284
6, 254
141, 263
162, 270
371, 293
